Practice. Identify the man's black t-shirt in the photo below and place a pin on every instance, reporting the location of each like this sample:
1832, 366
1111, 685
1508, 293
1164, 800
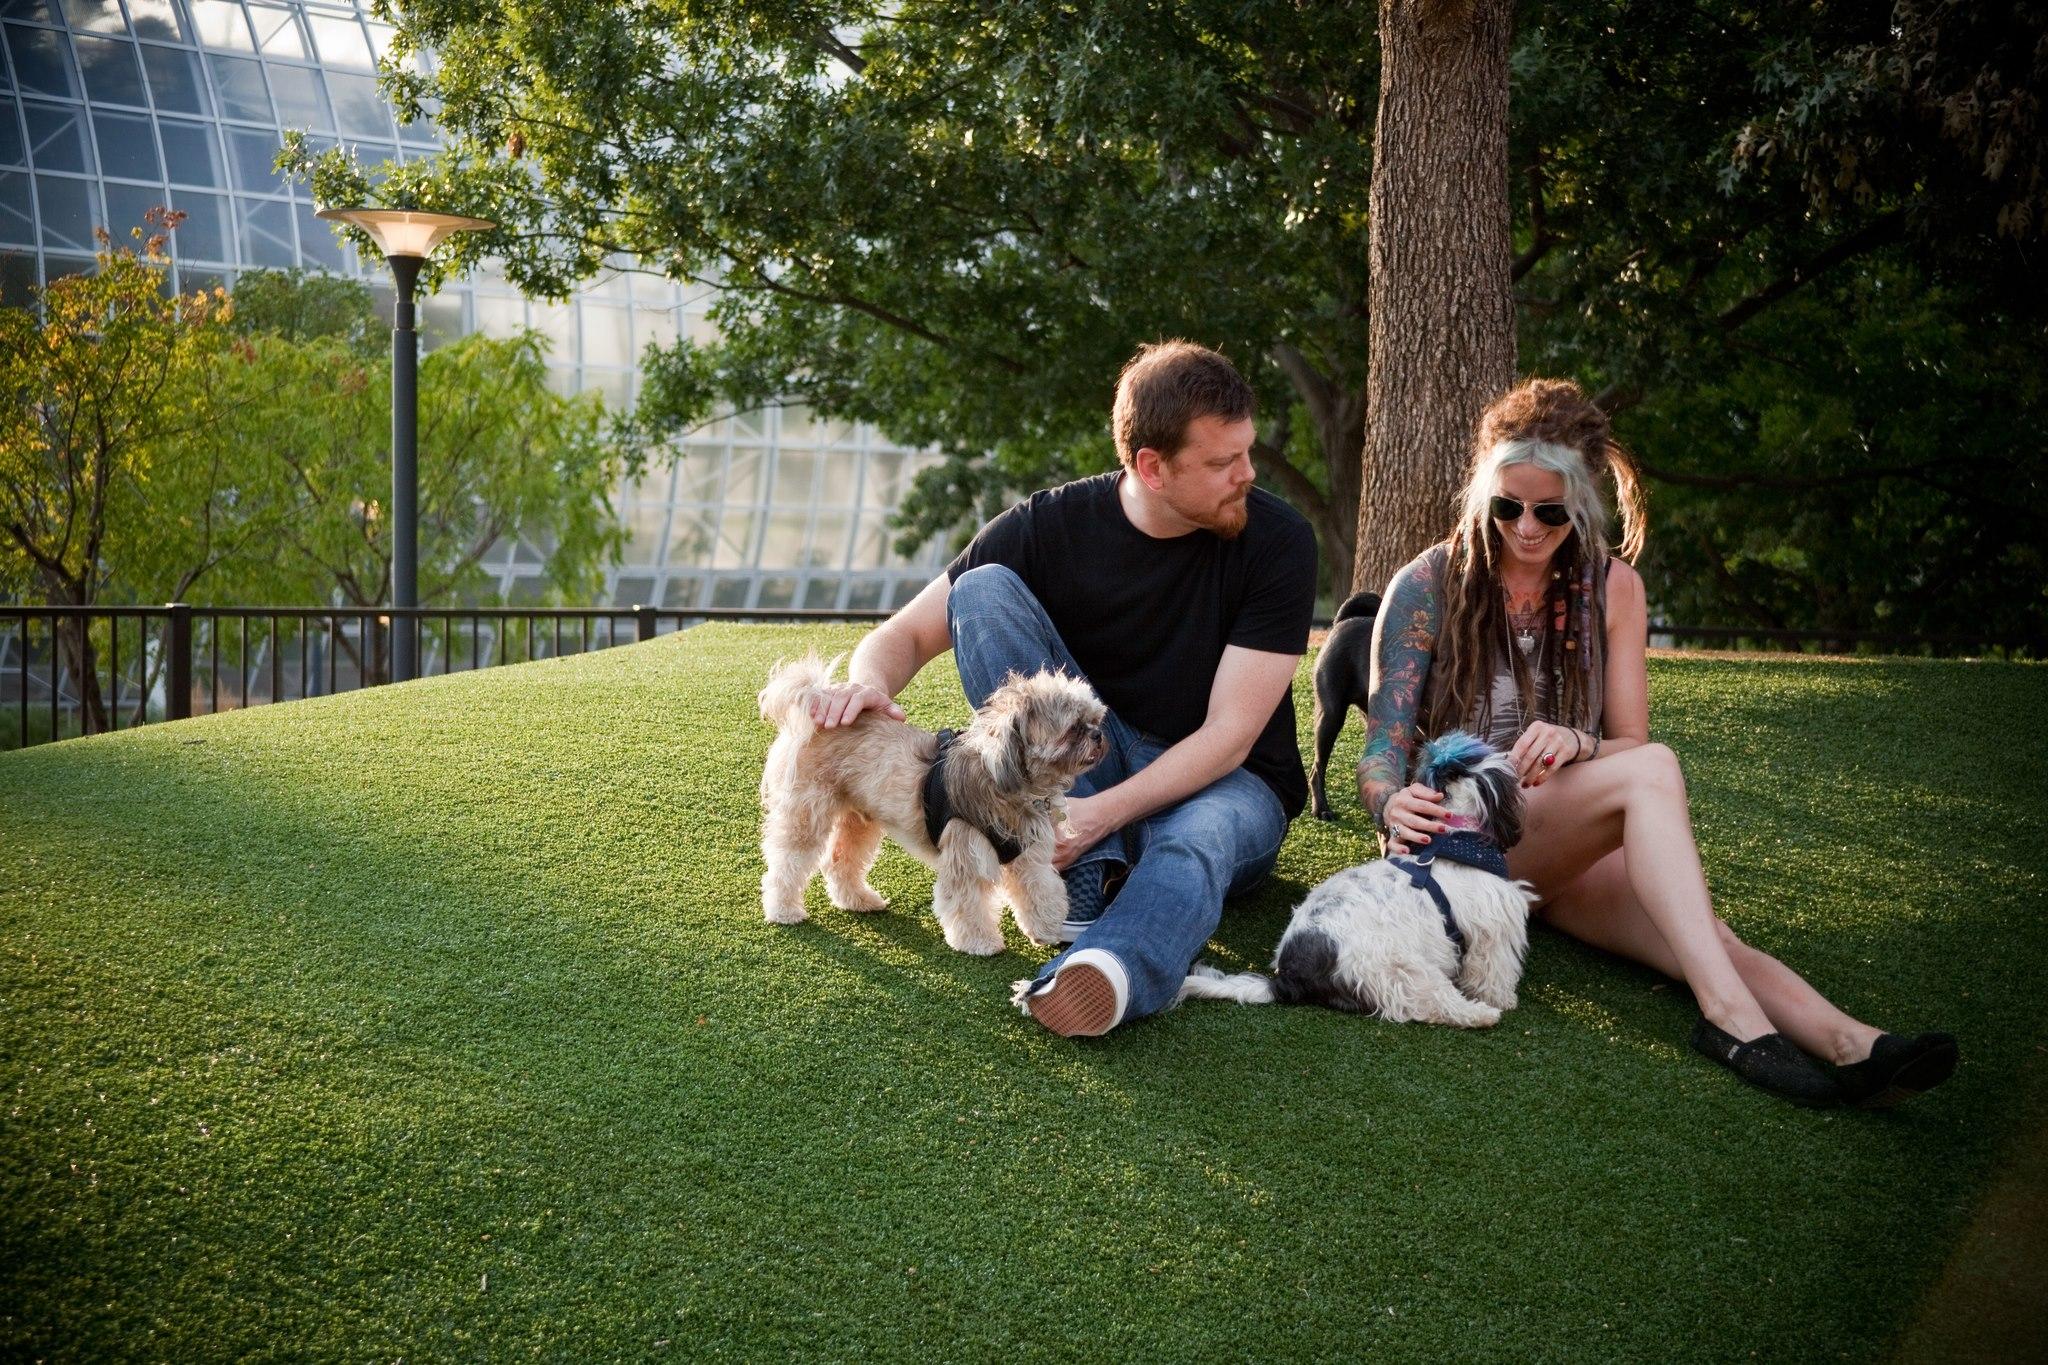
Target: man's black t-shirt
1147, 618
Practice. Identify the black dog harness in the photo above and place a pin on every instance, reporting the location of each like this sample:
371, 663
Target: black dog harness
1457, 846
938, 811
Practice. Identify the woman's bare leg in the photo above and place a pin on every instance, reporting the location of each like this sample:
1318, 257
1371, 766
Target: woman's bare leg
1600, 908
1637, 798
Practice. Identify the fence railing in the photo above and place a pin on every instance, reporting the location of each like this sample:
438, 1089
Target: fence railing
69, 671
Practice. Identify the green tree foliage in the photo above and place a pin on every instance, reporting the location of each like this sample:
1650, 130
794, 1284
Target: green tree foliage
958, 223
99, 385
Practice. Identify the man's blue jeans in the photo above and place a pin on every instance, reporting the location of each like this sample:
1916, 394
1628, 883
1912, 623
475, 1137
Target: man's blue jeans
1184, 860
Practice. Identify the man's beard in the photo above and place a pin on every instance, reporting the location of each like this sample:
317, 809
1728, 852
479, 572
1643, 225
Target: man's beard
1225, 522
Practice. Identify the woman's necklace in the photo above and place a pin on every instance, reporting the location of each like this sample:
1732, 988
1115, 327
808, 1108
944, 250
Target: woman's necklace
1523, 621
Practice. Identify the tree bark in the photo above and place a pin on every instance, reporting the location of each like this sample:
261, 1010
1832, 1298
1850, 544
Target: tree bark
1443, 327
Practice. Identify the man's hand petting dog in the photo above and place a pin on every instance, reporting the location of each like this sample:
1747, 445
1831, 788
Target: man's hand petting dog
1085, 827
842, 703
1412, 814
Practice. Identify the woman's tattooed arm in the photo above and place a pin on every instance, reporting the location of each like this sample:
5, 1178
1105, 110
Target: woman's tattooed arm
1403, 639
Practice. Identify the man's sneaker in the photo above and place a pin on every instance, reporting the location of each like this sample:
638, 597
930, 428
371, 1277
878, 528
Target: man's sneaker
1085, 900
1085, 998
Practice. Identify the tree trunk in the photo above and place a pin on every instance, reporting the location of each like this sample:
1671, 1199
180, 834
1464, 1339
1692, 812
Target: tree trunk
1443, 339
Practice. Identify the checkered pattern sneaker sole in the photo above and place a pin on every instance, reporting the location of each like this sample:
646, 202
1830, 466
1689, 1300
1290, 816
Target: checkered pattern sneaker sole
1080, 1003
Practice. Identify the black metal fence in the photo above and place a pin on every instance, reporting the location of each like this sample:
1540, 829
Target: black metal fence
69, 671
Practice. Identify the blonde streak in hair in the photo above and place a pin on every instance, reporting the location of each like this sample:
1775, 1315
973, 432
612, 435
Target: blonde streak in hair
1630, 498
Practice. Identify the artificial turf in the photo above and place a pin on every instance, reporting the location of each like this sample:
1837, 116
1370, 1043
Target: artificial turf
440, 1020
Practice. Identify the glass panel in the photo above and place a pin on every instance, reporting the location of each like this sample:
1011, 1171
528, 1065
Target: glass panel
341, 43
301, 99
795, 472
13, 151
869, 545
380, 38
556, 322
615, 387
127, 146
751, 423
689, 539
644, 522
317, 242
499, 317
439, 320
828, 542
56, 137
42, 11
746, 477
885, 480
204, 235
421, 132
242, 92
905, 590
42, 61
698, 475
633, 590
842, 474
56, 268
821, 594
17, 210
682, 593
95, 16
729, 592
174, 80
864, 595
779, 591
200, 281
17, 278
220, 24
277, 32
783, 545
68, 213
266, 234
655, 325
251, 156
112, 73
126, 205
192, 153
156, 19
607, 337
359, 108
795, 427
735, 539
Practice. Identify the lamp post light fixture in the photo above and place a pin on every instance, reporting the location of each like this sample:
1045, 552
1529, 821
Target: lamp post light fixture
405, 236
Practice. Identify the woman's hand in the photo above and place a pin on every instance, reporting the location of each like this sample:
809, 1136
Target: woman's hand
1544, 748
1413, 814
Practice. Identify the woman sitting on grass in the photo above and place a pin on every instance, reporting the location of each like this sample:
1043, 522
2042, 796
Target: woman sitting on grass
1522, 628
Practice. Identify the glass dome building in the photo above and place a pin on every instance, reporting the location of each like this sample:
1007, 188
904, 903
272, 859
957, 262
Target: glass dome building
111, 107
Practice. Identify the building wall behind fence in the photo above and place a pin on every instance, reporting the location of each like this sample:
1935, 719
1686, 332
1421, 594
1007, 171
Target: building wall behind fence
110, 107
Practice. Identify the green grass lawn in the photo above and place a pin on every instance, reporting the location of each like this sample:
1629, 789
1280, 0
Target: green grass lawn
441, 1021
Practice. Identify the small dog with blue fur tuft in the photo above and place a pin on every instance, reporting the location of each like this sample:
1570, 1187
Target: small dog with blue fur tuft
1435, 937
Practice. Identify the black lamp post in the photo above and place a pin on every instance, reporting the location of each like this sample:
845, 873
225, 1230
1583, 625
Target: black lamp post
405, 237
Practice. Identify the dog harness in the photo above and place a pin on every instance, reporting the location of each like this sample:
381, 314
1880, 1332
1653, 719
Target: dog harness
938, 810
1457, 846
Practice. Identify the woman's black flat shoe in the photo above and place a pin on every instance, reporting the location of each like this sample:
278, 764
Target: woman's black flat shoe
1897, 1070
1769, 1063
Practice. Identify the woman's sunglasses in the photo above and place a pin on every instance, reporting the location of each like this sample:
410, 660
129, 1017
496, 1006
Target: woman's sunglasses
1549, 513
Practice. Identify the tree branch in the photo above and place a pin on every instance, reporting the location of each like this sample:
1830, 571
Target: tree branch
1878, 232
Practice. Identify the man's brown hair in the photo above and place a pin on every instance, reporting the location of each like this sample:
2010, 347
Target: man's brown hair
1167, 385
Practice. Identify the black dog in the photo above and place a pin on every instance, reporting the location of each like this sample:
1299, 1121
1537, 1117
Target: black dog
1343, 678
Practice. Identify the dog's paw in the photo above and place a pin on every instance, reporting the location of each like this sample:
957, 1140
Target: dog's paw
864, 899
1324, 813
1481, 1016
975, 944
785, 914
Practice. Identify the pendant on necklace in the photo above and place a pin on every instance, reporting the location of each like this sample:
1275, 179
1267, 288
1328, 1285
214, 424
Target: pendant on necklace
1525, 640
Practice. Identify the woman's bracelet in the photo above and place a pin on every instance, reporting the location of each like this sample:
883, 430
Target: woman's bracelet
1578, 747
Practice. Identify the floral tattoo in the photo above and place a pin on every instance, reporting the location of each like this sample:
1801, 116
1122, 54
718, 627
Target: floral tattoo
1403, 641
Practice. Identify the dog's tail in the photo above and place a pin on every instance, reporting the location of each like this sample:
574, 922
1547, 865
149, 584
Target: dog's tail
785, 701
1207, 983
1359, 604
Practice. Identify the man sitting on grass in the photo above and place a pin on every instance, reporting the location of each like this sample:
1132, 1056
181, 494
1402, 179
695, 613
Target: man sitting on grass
1183, 594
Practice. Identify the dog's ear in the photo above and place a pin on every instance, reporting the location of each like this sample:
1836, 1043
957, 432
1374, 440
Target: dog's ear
1500, 794
1012, 760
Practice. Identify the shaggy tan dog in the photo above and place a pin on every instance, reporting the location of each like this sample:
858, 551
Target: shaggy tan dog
828, 795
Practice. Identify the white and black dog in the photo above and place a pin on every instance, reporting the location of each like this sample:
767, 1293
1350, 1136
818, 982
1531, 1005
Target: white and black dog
1436, 936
